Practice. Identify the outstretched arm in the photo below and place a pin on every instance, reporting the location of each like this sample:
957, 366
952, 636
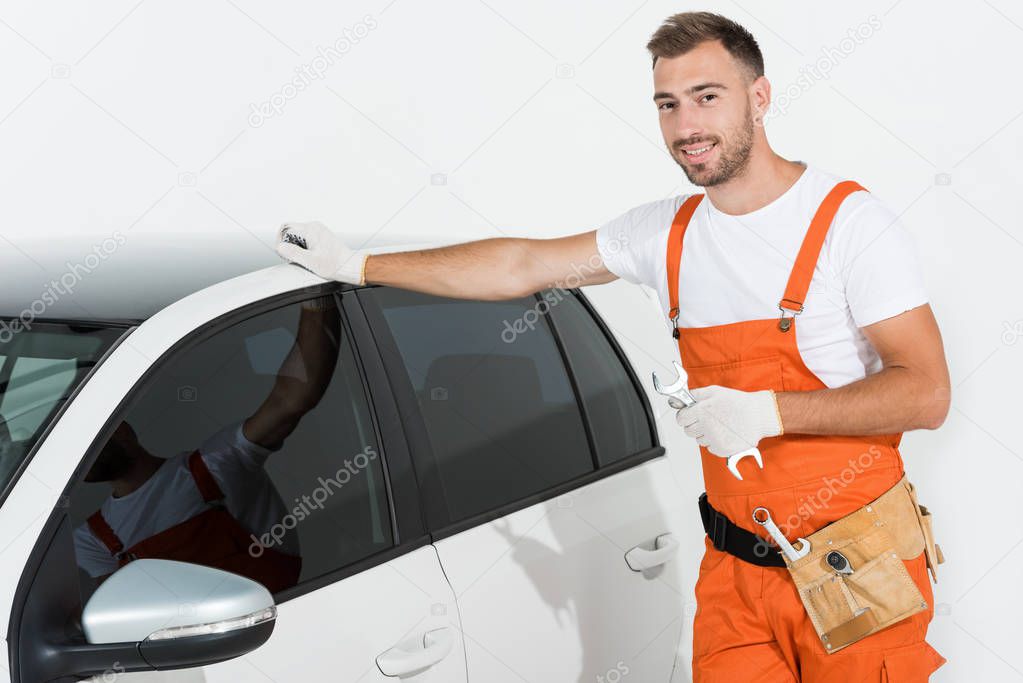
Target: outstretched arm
489, 269
303, 376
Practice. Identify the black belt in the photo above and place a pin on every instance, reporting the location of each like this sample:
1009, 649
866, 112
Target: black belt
734, 540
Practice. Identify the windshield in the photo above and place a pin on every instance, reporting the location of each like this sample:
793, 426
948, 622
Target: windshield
40, 366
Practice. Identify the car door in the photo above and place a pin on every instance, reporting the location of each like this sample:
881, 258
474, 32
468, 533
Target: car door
370, 601
552, 507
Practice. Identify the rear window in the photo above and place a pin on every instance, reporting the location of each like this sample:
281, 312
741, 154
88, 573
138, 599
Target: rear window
41, 364
500, 411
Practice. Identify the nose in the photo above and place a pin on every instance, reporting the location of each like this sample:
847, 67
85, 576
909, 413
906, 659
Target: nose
686, 129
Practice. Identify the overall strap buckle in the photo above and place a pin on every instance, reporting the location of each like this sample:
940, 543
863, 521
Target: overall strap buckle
785, 323
806, 259
676, 235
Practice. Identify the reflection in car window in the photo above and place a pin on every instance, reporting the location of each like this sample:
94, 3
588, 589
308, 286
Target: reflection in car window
252, 451
41, 364
500, 411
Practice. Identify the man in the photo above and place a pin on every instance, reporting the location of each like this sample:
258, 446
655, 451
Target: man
828, 395
206, 506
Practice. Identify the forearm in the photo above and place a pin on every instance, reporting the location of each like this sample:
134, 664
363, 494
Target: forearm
488, 269
896, 399
302, 378
307, 369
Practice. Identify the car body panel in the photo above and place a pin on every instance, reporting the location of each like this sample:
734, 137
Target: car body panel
551, 580
335, 633
556, 625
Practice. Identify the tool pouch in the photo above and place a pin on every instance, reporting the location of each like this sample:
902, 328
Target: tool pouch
874, 540
933, 550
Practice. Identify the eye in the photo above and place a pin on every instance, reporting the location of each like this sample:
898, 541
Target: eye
662, 106
708, 95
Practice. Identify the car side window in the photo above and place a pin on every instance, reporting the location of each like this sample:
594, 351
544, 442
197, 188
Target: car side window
617, 415
499, 408
253, 450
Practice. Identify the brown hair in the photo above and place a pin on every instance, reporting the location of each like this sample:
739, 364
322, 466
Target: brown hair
681, 32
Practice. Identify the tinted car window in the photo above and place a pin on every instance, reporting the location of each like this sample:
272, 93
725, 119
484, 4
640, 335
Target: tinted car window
616, 412
500, 411
252, 451
41, 364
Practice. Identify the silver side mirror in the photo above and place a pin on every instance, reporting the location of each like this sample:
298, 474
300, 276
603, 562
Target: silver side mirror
179, 614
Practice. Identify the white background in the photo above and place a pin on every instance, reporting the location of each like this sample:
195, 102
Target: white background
465, 119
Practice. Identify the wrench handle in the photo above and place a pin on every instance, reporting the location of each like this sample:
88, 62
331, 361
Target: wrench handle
680, 399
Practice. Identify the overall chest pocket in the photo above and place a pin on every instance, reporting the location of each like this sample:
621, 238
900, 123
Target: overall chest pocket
754, 374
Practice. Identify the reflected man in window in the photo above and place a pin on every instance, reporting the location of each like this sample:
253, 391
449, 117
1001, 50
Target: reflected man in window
206, 506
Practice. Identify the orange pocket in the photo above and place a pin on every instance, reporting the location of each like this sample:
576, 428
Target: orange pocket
912, 664
754, 374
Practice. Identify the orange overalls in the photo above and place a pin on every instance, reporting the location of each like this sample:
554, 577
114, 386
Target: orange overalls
213, 538
750, 624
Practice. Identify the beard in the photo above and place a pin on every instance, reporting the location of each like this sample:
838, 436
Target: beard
113, 462
732, 158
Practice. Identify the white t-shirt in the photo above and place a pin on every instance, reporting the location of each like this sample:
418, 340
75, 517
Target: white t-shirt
735, 268
170, 497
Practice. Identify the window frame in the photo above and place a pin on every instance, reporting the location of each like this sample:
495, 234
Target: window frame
408, 531
438, 521
623, 361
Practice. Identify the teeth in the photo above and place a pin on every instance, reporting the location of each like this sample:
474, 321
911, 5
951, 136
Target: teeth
699, 151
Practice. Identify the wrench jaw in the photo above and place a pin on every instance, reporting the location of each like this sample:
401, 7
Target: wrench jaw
762, 516
676, 389
733, 461
802, 551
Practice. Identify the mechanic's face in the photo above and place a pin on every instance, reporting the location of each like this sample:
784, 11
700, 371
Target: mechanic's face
116, 458
720, 115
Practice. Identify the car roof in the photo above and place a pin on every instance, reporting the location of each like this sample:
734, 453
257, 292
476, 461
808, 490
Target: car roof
126, 278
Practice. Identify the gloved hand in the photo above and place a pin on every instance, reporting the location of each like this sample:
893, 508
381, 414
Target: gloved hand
728, 421
325, 253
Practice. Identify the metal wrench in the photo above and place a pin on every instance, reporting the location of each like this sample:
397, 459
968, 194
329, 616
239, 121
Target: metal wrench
779, 538
678, 390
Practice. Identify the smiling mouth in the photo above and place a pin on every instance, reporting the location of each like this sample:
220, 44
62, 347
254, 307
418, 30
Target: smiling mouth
699, 154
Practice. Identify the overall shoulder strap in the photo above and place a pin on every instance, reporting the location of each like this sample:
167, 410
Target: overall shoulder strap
204, 481
105, 533
674, 255
806, 260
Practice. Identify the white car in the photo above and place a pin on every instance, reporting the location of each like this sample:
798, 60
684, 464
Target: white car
513, 516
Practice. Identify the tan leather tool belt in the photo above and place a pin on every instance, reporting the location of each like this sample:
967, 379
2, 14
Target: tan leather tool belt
854, 582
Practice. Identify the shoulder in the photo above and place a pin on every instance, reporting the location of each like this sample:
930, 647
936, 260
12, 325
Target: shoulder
229, 447
867, 242
83, 535
642, 223
632, 244
657, 213
861, 217
861, 205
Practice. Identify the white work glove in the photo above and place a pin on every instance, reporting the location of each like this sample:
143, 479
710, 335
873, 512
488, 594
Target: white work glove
325, 253
728, 421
